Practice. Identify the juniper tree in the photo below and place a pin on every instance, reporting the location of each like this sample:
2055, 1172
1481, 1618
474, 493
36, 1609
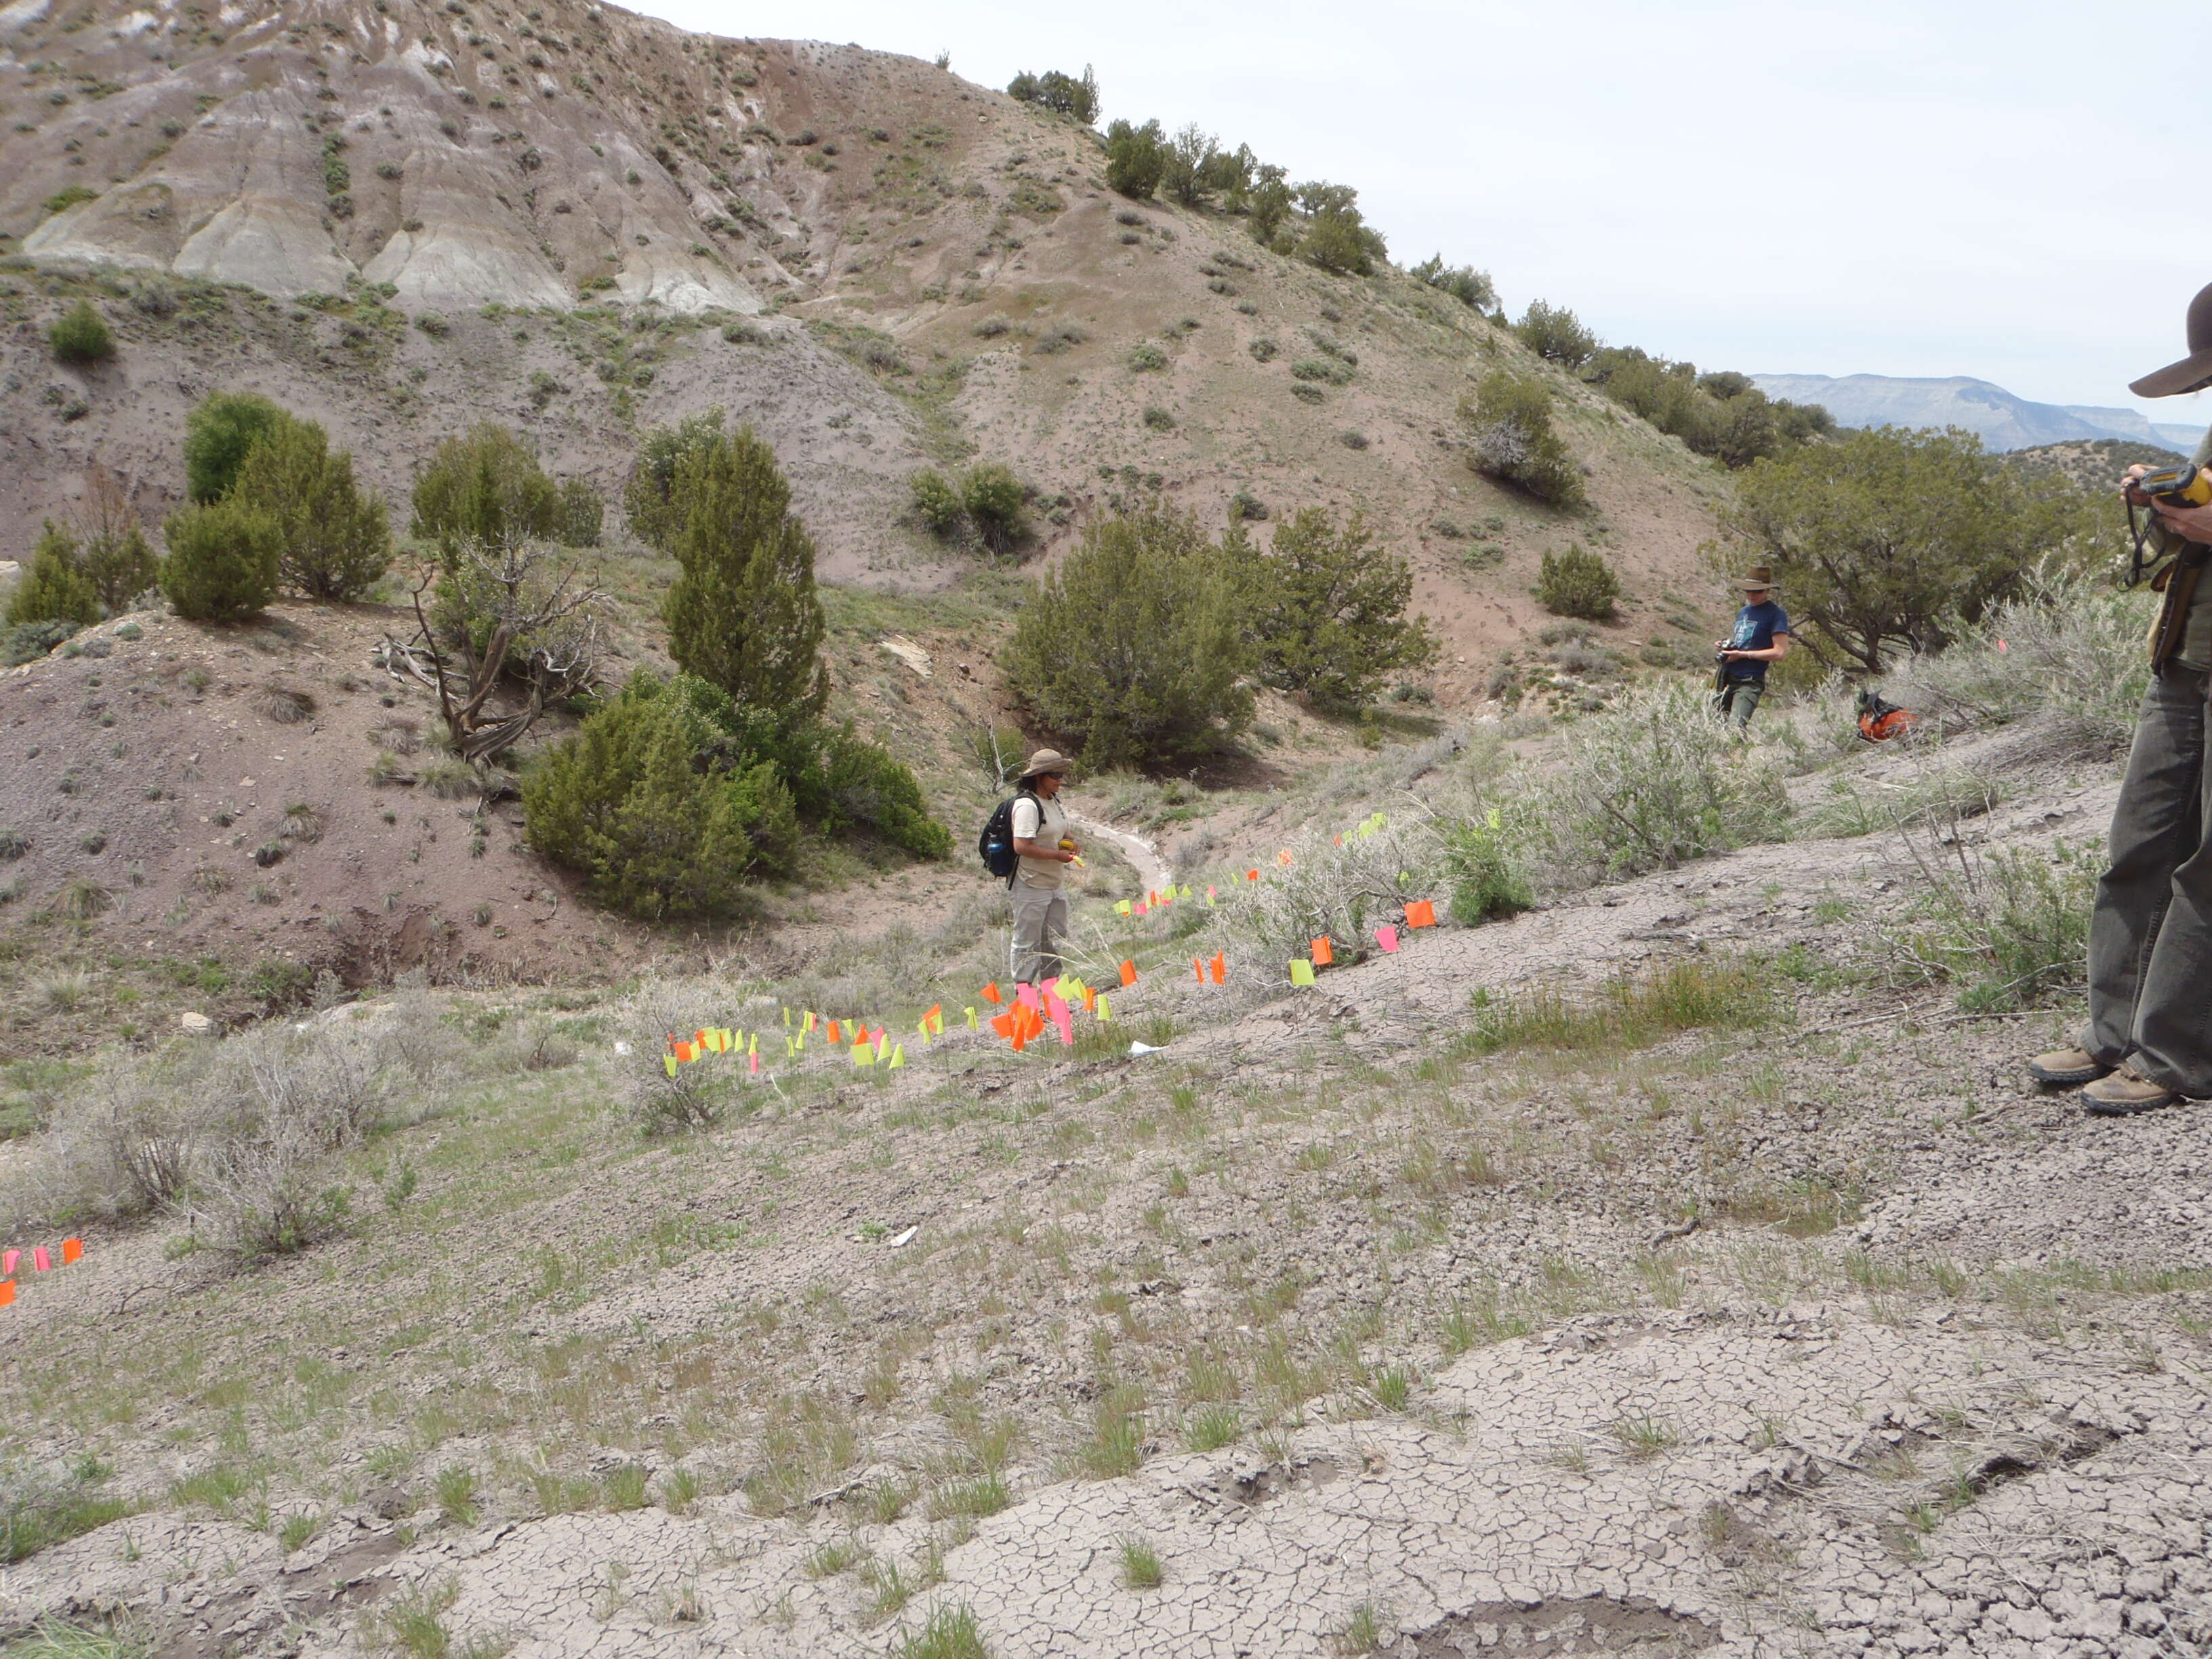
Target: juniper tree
486, 488
744, 616
333, 541
1330, 612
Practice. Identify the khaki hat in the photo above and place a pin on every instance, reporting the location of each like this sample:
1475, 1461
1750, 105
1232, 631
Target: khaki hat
1759, 576
1045, 760
2194, 372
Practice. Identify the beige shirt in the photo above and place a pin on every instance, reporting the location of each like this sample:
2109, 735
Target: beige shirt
1038, 819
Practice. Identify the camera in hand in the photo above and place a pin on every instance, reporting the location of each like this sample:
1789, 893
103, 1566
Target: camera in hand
2177, 486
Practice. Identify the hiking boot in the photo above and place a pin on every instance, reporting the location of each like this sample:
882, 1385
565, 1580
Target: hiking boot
2063, 1067
2125, 1092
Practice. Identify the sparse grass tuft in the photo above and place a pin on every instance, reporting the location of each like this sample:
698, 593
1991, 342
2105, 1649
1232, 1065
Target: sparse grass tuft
1629, 1012
949, 1632
457, 1496
1644, 1436
1117, 1434
1363, 1631
1214, 1426
1141, 1564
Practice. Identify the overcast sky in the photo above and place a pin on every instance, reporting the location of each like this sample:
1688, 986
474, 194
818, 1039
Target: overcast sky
1940, 187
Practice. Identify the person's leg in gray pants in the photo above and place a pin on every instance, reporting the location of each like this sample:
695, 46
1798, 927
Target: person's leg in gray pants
2150, 938
1039, 925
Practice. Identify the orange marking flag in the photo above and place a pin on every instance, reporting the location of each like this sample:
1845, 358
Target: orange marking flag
1283, 857
1089, 1001
72, 1250
1198, 968
1220, 968
836, 1036
1128, 974
1004, 1025
1420, 913
991, 993
1322, 955
1251, 875
6, 1293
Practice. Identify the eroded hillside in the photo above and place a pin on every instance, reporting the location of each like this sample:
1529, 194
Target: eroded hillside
400, 219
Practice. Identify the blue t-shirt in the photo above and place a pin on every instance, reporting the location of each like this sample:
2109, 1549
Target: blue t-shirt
1756, 625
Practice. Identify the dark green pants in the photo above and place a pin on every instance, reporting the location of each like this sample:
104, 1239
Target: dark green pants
2150, 939
1738, 699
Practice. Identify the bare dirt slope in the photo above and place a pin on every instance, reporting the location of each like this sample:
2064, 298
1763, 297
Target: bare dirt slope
1370, 1336
579, 205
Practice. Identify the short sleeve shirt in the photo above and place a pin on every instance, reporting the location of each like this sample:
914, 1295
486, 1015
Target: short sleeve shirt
1756, 625
1038, 819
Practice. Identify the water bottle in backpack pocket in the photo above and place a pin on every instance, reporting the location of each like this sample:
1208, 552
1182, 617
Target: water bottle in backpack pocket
995, 845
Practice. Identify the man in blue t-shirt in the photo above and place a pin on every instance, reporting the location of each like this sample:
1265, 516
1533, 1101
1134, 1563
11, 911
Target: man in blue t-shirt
1761, 636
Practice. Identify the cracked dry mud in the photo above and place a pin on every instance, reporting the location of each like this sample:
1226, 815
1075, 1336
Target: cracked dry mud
1974, 1418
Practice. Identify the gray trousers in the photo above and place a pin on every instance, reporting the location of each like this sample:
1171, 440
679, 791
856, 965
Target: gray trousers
2150, 938
1039, 929
1739, 700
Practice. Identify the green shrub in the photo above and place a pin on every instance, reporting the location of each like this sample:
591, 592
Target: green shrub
993, 498
937, 500
2012, 929
222, 561
1893, 541
68, 196
1329, 608
1464, 283
1556, 335
54, 588
744, 616
486, 488
1322, 368
1488, 882
218, 432
1145, 356
626, 801
333, 540
648, 499
81, 335
1579, 583
583, 513
1341, 242
1134, 648
120, 564
1064, 94
1513, 441
1136, 157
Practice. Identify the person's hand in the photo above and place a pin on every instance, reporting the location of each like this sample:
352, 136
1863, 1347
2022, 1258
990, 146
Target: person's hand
2191, 523
2135, 497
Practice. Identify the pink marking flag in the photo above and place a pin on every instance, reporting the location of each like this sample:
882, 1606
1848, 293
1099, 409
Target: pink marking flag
1387, 937
40, 1260
8, 1260
1027, 996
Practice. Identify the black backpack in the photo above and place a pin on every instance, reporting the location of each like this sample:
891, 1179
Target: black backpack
995, 845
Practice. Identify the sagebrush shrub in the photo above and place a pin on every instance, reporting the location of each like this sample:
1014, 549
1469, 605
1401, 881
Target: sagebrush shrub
81, 335
1651, 783
1578, 582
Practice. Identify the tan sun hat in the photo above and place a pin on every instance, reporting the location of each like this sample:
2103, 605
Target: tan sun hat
2194, 372
1046, 760
1759, 576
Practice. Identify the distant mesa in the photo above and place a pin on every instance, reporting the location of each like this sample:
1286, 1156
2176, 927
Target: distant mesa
2003, 420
